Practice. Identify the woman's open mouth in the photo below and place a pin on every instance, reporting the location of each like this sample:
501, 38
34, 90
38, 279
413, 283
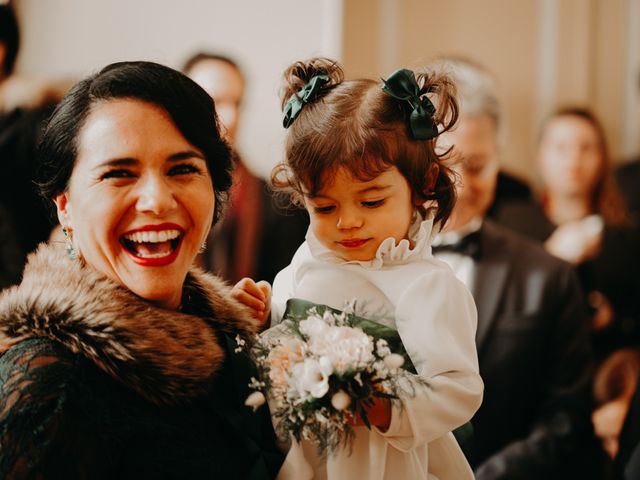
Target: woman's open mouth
153, 247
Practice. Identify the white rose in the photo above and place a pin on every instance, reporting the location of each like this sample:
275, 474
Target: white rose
255, 400
347, 347
311, 377
313, 327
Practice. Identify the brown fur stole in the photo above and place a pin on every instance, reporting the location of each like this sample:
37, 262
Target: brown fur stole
166, 356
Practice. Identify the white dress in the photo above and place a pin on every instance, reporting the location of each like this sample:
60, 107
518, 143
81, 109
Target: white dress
435, 316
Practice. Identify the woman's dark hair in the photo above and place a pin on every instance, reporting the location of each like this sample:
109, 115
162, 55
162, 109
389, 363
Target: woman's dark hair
355, 125
10, 36
189, 106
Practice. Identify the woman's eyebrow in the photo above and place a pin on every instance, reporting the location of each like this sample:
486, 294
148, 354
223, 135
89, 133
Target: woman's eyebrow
184, 155
118, 162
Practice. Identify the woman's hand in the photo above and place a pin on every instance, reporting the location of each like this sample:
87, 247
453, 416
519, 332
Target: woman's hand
603, 310
575, 242
256, 297
379, 414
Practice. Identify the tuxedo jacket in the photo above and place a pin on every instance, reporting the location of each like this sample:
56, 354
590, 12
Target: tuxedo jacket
534, 356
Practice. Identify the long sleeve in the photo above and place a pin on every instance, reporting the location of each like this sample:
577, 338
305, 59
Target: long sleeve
32, 383
436, 319
561, 433
282, 291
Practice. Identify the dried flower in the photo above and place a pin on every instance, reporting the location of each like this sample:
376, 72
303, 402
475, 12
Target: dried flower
394, 361
340, 400
255, 400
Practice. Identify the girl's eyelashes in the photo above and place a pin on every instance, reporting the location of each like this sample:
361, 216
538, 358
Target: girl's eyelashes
324, 209
373, 203
366, 204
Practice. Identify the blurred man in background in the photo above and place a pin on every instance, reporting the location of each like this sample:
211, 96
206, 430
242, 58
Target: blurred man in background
255, 238
532, 335
24, 106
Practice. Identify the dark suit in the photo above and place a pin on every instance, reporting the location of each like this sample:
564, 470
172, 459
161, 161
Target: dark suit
628, 179
534, 359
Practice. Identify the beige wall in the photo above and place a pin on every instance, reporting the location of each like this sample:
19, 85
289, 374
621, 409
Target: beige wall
544, 53
76, 37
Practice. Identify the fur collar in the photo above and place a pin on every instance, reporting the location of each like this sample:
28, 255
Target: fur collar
165, 356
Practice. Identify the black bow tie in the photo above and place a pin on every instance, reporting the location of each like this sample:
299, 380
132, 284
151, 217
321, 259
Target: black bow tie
468, 245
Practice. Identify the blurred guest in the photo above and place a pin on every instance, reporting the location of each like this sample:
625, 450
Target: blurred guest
24, 104
628, 178
613, 387
256, 238
582, 219
627, 460
11, 256
509, 188
532, 335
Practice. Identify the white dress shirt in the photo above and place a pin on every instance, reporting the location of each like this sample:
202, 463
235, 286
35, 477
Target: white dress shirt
462, 265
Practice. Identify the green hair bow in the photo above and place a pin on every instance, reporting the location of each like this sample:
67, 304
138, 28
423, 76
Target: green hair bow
402, 85
306, 94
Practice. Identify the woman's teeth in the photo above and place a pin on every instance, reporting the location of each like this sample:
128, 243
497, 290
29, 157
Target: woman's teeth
152, 244
152, 236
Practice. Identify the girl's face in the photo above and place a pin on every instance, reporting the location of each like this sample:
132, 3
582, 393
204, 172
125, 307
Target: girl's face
352, 218
570, 156
140, 199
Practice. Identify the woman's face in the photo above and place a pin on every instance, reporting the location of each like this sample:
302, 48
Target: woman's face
140, 199
570, 156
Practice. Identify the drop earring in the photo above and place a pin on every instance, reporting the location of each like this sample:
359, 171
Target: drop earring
203, 247
68, 235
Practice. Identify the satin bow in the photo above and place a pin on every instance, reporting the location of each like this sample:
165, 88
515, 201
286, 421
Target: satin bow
306, 94
402, 85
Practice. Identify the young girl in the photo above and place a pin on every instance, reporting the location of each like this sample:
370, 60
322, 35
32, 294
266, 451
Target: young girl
360, 158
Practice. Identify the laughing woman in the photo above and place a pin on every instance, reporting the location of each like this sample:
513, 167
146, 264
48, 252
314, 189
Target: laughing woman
117, 356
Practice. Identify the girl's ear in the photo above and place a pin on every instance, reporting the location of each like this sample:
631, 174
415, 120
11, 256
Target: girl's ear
430, 186
62, 207
432, 176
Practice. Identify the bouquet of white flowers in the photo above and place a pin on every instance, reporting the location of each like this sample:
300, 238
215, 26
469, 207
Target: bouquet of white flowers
321, 367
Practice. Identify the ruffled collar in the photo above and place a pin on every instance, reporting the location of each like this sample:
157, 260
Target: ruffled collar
421, 233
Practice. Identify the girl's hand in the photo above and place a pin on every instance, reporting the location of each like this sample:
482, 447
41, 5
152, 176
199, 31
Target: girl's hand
256, 297
379, 414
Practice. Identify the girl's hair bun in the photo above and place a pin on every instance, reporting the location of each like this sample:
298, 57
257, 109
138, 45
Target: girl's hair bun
440, 87
300, 73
